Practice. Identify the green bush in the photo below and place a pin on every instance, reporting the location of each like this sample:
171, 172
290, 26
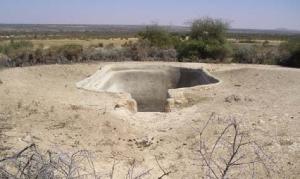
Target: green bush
158, 37
192, 49
207, 40
196, 49
292, 47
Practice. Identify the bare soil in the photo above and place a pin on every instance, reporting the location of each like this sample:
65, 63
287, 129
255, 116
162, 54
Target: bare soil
42, 105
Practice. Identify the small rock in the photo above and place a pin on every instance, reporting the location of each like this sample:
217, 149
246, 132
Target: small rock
181, 101
232, 98
260, 121
76, 142
27, 138
128, 104
285, 142
143, 143
247, 99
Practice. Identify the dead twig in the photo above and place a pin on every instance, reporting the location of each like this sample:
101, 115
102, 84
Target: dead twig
165, 173
234, 147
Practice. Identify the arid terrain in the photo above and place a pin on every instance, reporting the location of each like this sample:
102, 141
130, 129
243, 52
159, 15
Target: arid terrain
42, 105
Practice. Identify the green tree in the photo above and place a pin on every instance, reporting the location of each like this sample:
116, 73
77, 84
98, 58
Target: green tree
208, 29
207, 39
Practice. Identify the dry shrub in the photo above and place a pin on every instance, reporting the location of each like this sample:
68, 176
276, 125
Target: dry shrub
255, 54
232, 153
106, 54
30, 163
4, 59
143, 51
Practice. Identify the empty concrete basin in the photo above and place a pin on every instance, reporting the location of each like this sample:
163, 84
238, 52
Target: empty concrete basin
147, 84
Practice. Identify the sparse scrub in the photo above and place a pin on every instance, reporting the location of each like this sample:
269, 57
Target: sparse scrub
265, 43
291, 49
57, 54
71, 52
248, 41
105, 54
206, 42
137, 50
31, 163
244, 54
110, 46
100, 45
16, 51
3, 60
158, 37
254, 54
15, 48
142, 51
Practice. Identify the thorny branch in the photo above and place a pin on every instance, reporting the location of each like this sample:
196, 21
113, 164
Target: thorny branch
232, 145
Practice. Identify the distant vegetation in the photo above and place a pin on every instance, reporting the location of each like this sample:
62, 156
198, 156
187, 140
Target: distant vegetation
15, 48
206, 40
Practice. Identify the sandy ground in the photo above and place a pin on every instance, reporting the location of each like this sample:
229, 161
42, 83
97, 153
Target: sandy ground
42, 105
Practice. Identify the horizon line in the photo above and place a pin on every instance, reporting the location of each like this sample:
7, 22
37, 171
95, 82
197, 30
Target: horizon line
164, 25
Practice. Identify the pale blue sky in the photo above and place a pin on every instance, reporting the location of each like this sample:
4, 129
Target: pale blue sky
260, 14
